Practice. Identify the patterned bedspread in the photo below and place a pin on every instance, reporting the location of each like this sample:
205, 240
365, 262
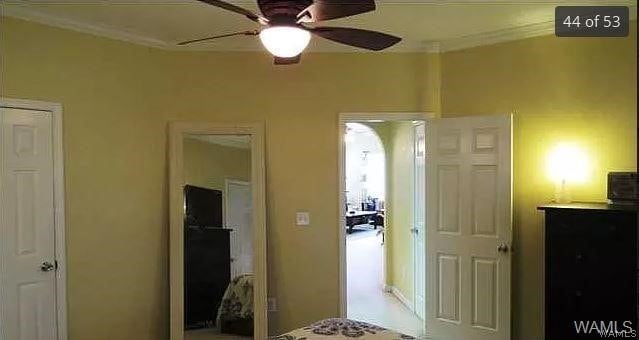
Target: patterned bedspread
237, 302
334, 329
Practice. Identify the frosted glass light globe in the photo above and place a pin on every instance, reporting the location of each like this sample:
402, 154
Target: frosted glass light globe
285, 41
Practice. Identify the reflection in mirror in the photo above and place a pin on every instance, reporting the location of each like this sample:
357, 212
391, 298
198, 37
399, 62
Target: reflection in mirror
218, 237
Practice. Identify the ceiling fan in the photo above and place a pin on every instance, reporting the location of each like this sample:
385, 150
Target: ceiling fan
285, 35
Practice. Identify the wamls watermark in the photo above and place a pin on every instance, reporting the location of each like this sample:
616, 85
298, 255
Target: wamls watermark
606, 329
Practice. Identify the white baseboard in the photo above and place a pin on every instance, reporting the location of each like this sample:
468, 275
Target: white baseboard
398, 294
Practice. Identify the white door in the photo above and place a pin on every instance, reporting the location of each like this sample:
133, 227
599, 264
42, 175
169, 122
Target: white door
419, 220
468, 227
27, 236
239, 217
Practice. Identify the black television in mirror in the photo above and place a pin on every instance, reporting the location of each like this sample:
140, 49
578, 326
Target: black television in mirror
203, 207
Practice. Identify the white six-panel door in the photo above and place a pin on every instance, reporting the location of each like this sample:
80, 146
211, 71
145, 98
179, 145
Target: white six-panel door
27, 237
469, 227
239, 217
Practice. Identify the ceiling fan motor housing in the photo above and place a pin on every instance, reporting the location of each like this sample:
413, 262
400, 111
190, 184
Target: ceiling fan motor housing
283, 12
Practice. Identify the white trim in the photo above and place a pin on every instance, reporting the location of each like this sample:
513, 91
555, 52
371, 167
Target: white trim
432, 47
25, 12
398, 294
420, 234
514, 33
176, 217
498, 36
343, 119
58, 201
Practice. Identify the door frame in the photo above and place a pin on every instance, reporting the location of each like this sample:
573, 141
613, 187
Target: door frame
354, 117
416, 236
58, 201
176, 130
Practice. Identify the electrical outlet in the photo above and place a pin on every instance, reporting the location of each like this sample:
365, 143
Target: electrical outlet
271, 304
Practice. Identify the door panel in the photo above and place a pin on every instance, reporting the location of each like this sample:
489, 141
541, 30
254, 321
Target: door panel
484, 200
27, 237
468, 217
484, 293
448, 287
239, 214
448, 199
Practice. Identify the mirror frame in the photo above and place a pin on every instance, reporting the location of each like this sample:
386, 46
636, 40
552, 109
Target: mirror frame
177, 132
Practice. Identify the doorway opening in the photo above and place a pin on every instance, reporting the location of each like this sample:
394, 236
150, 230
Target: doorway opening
383, 214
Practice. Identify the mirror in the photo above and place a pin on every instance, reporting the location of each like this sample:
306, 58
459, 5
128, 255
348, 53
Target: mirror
218, 280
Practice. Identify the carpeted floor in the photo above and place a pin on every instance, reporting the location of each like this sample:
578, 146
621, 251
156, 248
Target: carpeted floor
366, 299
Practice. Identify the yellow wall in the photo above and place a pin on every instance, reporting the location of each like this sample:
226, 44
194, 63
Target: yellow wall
117, 100
579, 90
208, 165
397, 138
400, 204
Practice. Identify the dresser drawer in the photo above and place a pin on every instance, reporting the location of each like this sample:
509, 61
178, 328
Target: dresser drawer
590, 268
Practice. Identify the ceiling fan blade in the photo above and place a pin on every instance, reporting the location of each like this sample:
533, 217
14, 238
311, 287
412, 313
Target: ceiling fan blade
369, 40
322, 10
219, 36
287, 61
239, 10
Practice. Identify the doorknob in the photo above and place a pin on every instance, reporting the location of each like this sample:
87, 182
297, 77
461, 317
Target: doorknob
414, 231
503, 248
47, 266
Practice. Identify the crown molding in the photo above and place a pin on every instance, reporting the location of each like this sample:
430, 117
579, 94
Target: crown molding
27, 13
432, 47
495, 37
512, 33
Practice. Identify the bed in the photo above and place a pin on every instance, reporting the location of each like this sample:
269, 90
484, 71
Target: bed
235, 315
334, 329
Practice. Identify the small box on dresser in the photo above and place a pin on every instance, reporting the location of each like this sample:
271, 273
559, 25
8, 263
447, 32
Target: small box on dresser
590, 268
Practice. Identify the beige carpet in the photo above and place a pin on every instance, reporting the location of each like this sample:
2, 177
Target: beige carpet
366, 300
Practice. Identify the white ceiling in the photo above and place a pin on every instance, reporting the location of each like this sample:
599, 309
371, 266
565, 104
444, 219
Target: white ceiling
424, 25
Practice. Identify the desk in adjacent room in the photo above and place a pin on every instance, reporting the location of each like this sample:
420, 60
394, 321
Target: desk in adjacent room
360, 217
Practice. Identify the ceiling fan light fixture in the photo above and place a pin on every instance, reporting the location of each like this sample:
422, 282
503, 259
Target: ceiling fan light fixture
285, 41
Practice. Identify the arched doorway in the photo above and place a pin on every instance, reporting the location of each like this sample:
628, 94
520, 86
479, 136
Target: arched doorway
378, 180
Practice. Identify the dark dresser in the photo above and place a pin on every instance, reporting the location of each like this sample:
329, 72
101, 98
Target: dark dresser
590, 267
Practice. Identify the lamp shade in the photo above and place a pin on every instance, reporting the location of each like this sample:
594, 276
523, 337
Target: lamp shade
285, 41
